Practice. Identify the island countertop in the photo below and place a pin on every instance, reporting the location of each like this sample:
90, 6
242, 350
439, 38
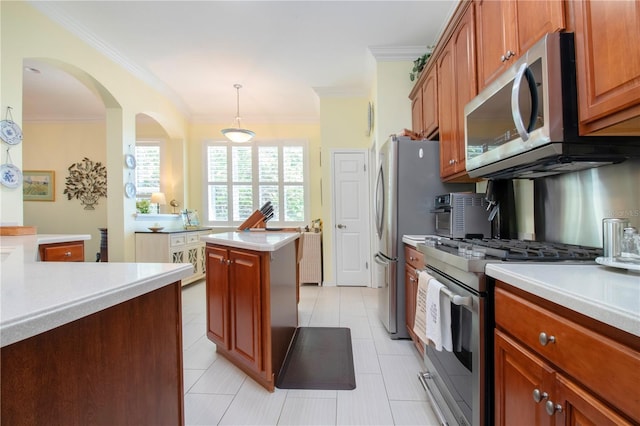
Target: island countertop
38, 296
258, 241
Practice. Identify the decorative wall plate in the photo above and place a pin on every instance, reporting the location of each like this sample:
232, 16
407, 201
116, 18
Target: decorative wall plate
10, 175
130, 161
10, 132
129, 190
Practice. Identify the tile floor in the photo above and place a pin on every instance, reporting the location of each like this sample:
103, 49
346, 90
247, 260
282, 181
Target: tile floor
387, 389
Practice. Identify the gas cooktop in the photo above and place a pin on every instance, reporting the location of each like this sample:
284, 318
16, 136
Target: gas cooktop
521, 250
473, 254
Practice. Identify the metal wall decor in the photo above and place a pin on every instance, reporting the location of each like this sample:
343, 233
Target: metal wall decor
87, 181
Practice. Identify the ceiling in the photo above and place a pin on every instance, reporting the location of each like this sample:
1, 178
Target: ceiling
285, 53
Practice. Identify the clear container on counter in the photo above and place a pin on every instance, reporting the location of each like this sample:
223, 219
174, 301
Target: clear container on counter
630, 244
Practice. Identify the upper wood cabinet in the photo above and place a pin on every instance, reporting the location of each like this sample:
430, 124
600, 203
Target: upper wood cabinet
607, 40
456, 87
416, 109
506, 29
424, 102
430, 103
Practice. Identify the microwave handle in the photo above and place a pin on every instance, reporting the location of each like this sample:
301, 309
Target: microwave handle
524, 71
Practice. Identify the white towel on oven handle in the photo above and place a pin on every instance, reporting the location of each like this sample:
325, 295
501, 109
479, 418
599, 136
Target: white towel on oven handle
438, 316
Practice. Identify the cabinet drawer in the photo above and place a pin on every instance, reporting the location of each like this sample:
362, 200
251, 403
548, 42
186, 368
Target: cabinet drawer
600, 363
62, 252
413, 257
193, 237
178, 240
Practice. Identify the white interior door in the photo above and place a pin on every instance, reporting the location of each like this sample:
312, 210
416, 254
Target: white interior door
351, 218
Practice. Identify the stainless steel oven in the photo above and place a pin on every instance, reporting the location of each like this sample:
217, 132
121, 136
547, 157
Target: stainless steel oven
457, 382
460, 383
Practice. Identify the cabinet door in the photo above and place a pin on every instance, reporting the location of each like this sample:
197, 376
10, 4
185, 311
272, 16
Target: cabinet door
579, 407
411, 287
607, 36
411, 291
518, 374
494, 32
430, 103
446, 111
217, 300
416, 113
533, 20
456, 87
246, 307
466, 86
506, 29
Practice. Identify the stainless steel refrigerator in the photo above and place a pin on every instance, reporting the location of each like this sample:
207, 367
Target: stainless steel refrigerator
408, 181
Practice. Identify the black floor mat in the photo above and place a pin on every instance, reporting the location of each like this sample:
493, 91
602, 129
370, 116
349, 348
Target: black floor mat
319, 358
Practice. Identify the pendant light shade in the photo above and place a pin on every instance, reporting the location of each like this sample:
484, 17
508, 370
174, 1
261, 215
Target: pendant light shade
238, 134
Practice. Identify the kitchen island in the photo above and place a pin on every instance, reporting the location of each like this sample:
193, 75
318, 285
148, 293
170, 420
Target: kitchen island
88, 343
252, 310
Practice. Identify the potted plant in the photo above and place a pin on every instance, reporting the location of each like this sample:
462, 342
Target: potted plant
418, 66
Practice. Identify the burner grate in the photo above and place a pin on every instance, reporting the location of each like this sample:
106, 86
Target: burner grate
523, 250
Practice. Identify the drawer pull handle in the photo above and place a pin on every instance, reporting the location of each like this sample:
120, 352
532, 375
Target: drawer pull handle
545, 339
552, 408
539, 396
67, 254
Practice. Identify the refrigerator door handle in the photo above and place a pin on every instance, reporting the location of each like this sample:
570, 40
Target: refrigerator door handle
380, 260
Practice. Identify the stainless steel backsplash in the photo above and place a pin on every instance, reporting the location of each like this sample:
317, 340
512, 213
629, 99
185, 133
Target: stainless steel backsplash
569, 208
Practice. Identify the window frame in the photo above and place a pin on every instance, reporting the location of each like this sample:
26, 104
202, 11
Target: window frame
160, 143
255, 183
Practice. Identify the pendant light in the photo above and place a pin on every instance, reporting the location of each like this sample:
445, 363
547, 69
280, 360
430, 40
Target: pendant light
238, 134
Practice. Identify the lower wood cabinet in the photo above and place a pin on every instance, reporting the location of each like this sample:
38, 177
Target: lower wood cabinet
71, 251
234, 289
252, 307
119, 366
552, 368
173, 247
414, 260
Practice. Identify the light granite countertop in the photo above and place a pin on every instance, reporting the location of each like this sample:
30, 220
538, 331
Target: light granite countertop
611, 296
258, 241
38, 296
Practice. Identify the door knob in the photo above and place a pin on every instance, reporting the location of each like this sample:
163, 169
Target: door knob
341, 226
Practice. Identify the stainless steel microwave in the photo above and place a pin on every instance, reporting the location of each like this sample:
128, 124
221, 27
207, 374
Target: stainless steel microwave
525, 123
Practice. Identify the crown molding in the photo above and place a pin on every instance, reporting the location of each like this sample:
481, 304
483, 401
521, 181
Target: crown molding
397, 53
340, 92
84, 34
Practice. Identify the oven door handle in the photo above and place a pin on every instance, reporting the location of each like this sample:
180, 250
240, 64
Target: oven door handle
456, 299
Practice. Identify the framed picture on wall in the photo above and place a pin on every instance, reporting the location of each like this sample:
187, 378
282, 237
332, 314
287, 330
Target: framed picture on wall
38, 185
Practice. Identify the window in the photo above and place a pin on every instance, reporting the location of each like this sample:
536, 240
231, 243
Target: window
147, 169
243, 177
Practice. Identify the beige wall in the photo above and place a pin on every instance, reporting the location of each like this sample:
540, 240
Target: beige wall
343, 125
56, 146
26, 33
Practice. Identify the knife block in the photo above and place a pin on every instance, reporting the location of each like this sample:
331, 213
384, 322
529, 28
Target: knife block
256, 220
